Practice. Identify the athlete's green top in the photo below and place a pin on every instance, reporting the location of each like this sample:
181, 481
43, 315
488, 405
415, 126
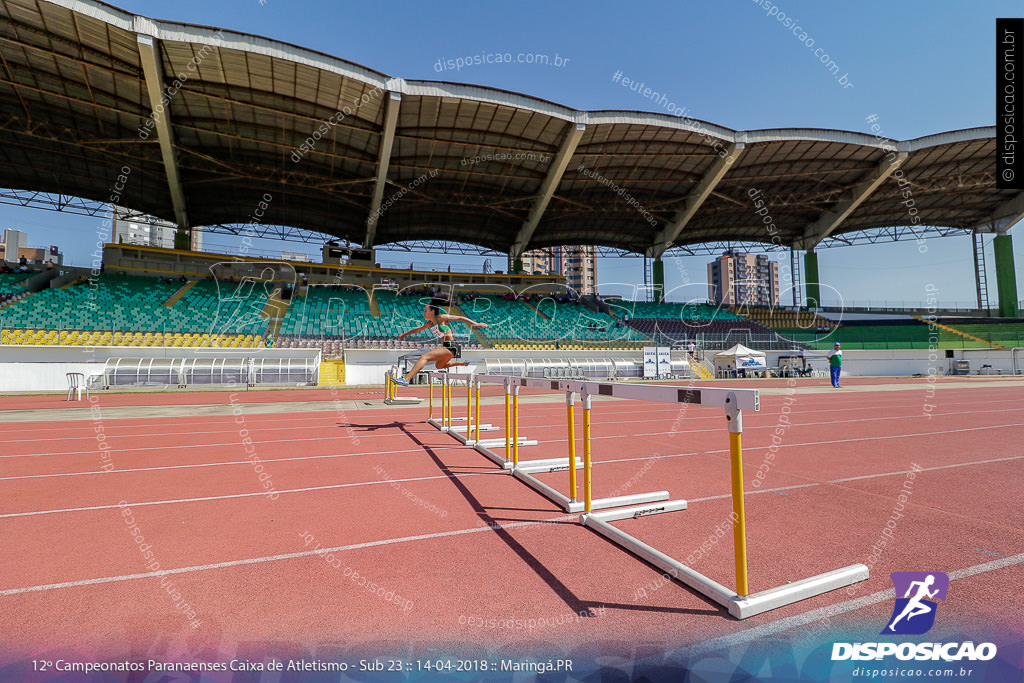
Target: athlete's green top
442, 330
835, 359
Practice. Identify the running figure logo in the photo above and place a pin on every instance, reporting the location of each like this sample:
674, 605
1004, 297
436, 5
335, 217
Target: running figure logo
914, 613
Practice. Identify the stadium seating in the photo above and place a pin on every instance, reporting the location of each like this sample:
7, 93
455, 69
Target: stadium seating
129, 310
672, 331
11, 289
789, 320
1006, 334
401, 313
331, 310
100, 338
515, 324
910, 335
10, 283
670, 311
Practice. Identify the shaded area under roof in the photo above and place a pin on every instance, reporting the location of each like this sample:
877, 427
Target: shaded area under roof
331, 146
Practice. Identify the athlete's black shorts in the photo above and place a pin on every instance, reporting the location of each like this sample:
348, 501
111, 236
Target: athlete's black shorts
454, 348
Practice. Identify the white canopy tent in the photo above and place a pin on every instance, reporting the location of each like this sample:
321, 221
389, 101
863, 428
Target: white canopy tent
740, 357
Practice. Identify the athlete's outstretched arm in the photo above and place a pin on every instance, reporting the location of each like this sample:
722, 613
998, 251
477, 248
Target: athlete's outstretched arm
414, 330
461, 318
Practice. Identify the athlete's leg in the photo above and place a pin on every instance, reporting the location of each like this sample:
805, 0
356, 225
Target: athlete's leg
429, 356
445, 361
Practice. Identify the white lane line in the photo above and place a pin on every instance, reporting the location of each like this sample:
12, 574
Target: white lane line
256, 493
499, 472
262, 418
454, 447
275, 558
680, 432
232, 462
787, 623
936, 467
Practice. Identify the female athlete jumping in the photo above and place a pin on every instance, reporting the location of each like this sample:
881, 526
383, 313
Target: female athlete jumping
444, 355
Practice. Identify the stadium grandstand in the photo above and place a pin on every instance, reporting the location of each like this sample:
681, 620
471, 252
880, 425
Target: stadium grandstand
221, 167
241, 436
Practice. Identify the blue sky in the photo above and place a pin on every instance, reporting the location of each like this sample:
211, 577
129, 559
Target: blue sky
921, 67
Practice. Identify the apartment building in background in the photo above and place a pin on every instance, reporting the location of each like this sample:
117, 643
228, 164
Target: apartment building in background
743, 280
578, 264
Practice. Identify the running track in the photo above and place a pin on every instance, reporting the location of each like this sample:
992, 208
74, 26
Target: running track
455, 541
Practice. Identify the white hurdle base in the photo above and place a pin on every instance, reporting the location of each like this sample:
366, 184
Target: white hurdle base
638, 511
578, 505
457, 428
472, 427
547, 465
403, 401
739, 606
484, 446
500, 443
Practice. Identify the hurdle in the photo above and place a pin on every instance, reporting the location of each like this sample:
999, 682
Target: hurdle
524, 470
391, 397
740, 602
484, 446
469, 432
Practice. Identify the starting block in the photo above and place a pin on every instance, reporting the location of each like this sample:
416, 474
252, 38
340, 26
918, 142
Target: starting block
391, 398
598, 514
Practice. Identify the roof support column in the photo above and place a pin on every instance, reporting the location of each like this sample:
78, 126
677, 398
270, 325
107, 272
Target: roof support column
694, 199
1006, 276
161, 115
387, 141
658, 279
813, 287
551, 182
830, 220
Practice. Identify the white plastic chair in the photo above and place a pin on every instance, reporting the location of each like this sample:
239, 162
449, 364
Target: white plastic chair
76, 383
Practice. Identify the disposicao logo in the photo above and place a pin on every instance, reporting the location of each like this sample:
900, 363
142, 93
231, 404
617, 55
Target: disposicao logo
914, 614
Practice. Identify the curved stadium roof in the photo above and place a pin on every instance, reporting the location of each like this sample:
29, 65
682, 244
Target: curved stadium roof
80, 79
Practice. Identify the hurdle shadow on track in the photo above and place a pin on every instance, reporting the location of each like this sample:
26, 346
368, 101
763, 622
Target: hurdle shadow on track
377, 426
574, 603
560, 589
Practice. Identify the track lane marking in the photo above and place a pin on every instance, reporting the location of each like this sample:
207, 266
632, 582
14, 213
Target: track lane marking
285, 556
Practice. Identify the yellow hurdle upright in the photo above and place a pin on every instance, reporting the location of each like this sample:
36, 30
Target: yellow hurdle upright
477, 410
570, 399
739, 529
447, 409
508, 422
515, 425
586, 454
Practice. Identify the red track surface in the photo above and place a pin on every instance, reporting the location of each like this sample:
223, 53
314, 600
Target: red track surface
185, 398
413, 511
